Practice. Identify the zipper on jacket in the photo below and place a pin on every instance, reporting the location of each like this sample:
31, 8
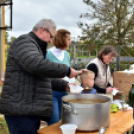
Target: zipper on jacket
106, 75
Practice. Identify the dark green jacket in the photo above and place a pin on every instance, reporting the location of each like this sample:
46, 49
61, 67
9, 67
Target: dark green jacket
27, 88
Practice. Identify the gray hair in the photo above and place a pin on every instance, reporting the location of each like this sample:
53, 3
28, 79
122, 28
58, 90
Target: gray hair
47, 23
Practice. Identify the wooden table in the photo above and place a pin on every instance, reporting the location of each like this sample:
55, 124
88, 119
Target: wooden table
120, 123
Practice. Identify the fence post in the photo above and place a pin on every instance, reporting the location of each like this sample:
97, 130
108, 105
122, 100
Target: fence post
74, 52
118, 58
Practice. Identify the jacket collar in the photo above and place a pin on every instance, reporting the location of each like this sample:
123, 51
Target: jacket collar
42, 44
103, 64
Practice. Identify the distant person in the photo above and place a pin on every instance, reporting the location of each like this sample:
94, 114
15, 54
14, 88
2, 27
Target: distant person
87, 79
27, 91
58, 54
100, 66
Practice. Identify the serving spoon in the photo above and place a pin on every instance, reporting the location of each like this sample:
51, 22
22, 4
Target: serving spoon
102, 130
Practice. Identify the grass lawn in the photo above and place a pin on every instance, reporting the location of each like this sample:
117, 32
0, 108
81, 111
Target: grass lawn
6, 54
3, 126
130, 131
0, 87
85, 56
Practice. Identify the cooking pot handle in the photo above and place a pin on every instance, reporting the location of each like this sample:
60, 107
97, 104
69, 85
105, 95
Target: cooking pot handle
70, 109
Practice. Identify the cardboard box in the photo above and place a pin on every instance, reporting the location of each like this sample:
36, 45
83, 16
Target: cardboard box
123, 81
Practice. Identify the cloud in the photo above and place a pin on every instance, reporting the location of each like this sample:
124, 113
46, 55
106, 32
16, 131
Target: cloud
65, 13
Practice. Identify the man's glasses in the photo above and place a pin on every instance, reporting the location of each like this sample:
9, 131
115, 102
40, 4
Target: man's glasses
51, 36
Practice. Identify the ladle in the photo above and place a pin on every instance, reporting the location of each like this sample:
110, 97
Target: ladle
102, 130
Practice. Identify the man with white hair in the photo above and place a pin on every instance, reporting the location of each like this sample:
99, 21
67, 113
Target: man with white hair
27, 91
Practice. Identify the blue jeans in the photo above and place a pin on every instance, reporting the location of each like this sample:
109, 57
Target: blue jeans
23, 124
57, 106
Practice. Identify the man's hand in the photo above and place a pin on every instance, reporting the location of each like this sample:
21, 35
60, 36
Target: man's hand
84, 70
75, 73
68, 88
81, 71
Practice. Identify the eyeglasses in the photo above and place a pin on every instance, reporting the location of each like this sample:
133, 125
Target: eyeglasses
51, 36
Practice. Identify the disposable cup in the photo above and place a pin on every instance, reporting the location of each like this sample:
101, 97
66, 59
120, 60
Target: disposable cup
68, 128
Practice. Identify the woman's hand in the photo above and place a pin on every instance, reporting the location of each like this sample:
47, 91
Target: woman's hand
116, 88
109, 89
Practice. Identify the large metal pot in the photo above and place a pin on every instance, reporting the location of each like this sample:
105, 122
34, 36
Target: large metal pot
87, 117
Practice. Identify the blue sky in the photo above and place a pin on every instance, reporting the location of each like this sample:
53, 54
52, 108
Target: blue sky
65, 13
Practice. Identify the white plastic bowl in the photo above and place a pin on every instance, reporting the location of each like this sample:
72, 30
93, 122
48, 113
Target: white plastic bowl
75, 89
70, 80
68, 128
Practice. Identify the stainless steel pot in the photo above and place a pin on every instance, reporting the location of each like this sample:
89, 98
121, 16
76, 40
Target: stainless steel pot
87, 117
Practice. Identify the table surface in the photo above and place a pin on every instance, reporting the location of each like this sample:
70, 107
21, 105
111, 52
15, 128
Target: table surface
120, 123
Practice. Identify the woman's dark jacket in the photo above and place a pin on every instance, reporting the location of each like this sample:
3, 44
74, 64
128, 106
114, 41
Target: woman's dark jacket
27, 88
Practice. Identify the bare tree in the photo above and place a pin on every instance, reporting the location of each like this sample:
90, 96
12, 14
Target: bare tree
113, 21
